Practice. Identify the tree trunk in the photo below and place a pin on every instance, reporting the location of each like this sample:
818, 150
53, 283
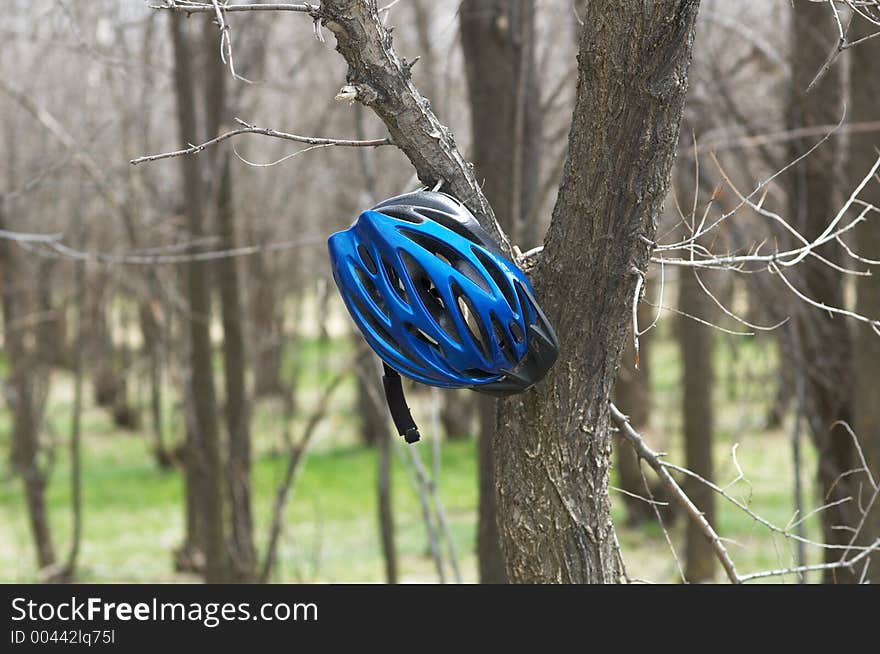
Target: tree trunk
864, 93
268, 340
497, 41
372, 420
242, 551
26, 375
205, 455
695, 344
243, 556
824, 340
151, 331
52, 332
553, 442
497, 38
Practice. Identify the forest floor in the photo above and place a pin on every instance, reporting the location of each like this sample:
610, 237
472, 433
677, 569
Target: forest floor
133, 511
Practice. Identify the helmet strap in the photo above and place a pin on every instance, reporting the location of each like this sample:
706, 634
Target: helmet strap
400, 414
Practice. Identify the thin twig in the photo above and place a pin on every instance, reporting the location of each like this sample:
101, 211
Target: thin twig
251, 129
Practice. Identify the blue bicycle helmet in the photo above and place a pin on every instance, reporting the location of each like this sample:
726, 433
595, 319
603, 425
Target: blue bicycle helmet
438, 301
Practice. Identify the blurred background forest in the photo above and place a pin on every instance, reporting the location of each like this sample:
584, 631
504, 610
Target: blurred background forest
185, 398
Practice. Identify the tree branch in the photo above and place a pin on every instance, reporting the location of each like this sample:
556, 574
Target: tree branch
264, 131
205, 7
381, 81
678, 494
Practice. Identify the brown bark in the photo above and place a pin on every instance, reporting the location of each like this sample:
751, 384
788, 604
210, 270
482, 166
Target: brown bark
151, 331
823, 352
864, 94
373, 420
553, 443
386, 507
204, 457
457, 414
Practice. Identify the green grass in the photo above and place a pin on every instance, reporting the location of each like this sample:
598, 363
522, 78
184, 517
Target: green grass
133, 515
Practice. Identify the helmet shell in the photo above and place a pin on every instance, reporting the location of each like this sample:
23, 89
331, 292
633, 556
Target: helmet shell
437, 300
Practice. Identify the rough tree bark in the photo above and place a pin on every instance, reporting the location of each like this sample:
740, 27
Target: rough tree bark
497, 38
204, 458
632, 82
553, 443
864, 93
383, 82
823, 356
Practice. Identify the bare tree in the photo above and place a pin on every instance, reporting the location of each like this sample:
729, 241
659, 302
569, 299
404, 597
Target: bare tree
243, 557
864, 91
822, 351
632, 81
25, 390
696, 347
203, 453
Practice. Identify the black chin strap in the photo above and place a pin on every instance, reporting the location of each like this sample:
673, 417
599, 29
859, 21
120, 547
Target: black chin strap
403, 419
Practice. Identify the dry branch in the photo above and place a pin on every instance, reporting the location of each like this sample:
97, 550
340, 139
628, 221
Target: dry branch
264, 131
678, 494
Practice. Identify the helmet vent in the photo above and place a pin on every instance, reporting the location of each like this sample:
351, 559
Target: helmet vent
478, 374
406, 214
424, 338
497, 276
516, 330
471, 321
448, 255
372, 291
374, 324
394, 280
503, 341
367, 259
526, 303
451, 222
